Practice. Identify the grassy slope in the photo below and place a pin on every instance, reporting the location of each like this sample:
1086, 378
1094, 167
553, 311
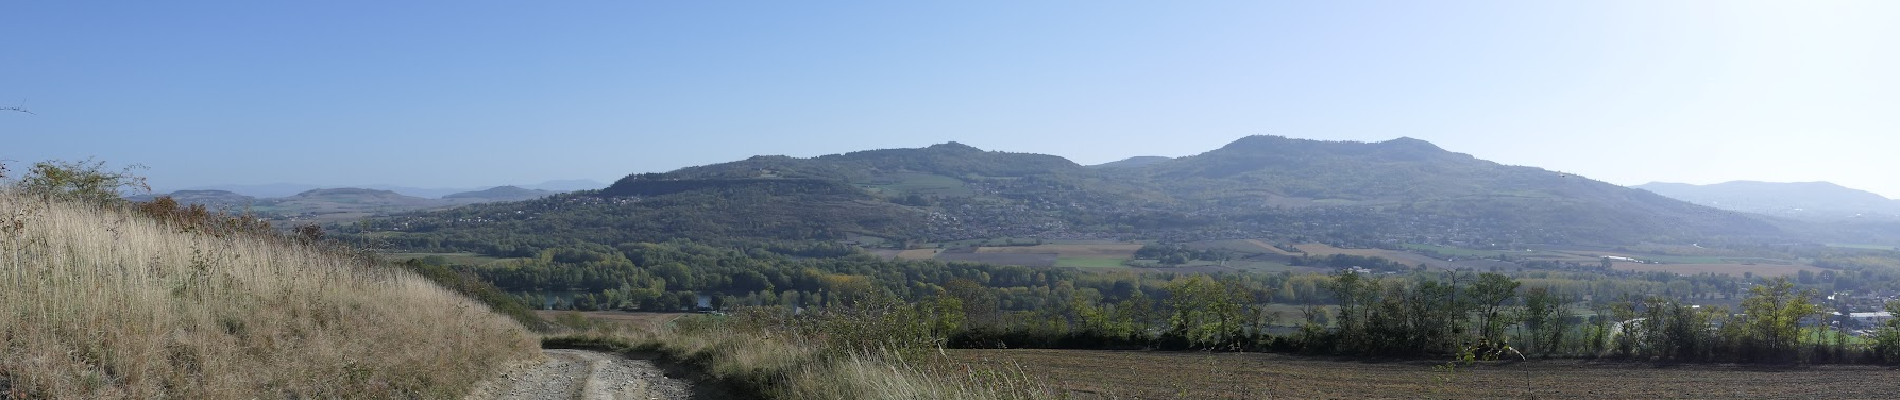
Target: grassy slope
110, 305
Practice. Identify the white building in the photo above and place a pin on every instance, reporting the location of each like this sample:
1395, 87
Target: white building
1871, 318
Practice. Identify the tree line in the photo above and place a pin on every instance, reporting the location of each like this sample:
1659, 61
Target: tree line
1540, 313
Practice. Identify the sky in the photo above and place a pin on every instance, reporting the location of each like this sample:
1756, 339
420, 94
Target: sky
482, 93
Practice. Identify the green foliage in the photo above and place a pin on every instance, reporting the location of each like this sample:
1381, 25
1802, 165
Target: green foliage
85, 181
1774, 311
1887, 336
1208, 314
1489, 294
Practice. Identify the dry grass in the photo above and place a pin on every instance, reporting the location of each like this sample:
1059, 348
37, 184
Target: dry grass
1094, 374
105, 304
1769, 270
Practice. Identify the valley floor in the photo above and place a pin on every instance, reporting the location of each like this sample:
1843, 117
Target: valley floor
581, 374
1092, 374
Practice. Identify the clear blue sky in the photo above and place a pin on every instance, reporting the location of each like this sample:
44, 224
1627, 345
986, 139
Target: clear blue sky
460, 94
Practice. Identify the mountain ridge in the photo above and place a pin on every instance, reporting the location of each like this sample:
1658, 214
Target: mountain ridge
1343, 192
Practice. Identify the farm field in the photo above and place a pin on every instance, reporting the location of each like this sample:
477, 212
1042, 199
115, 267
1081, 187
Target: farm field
1250, 246
1864, 246
1060, 255
917, 254
1123, 251
1731, 269
1084, 262
1406, 257
1097, 374
1455, 251
1014, 258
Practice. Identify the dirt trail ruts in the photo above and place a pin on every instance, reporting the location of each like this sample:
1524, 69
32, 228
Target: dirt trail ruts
581, 374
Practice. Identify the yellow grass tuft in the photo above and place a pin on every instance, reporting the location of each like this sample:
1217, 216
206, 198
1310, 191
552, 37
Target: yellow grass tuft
107, 304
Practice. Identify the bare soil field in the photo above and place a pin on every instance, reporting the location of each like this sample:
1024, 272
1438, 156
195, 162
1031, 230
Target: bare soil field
1023, 259
1406, 257
1249, 246
1096, 374
917, 254
1048, 255
906, 255
1268, 247
1731, 269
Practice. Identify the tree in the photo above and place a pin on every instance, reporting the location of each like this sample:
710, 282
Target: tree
1206, 313
1489, 294
1775, 310
1547, 315
1355, 297
1887, 336
86, 181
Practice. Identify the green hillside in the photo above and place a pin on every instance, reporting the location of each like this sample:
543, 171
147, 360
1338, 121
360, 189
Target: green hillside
1348, 193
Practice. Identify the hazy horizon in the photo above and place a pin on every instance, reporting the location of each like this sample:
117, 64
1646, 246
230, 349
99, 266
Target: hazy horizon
483, 94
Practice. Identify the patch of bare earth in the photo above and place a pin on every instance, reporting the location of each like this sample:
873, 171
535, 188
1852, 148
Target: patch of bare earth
1092, 374
581, 374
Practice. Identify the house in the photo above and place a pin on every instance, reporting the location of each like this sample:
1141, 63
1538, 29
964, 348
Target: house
1870, 318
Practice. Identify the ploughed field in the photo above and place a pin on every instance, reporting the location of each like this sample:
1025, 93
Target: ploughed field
1099, 374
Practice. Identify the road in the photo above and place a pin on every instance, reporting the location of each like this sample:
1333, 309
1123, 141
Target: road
582, 375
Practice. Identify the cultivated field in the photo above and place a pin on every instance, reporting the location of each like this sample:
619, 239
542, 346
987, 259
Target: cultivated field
1061, 255
917, 254
1095, 374
1406, 257
1122, 251
1023, 259
1252, 246
1731, 269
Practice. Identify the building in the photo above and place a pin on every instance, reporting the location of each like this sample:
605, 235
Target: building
1870, 318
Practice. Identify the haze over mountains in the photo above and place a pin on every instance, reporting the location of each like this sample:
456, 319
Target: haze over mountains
340, 204
1812, 200
291, 189
1342, 192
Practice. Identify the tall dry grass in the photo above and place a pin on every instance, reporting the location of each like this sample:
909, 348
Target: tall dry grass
110, 304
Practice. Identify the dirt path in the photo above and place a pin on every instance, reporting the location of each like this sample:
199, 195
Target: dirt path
581, 374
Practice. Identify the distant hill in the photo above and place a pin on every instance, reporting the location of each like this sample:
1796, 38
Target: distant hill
329, 205
1415, 180
1821, 200
1132, 162
212, 199
567, 185
260, 190
1347, 193
500, 193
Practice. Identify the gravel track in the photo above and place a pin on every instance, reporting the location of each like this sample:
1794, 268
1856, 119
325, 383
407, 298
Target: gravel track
581, 374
